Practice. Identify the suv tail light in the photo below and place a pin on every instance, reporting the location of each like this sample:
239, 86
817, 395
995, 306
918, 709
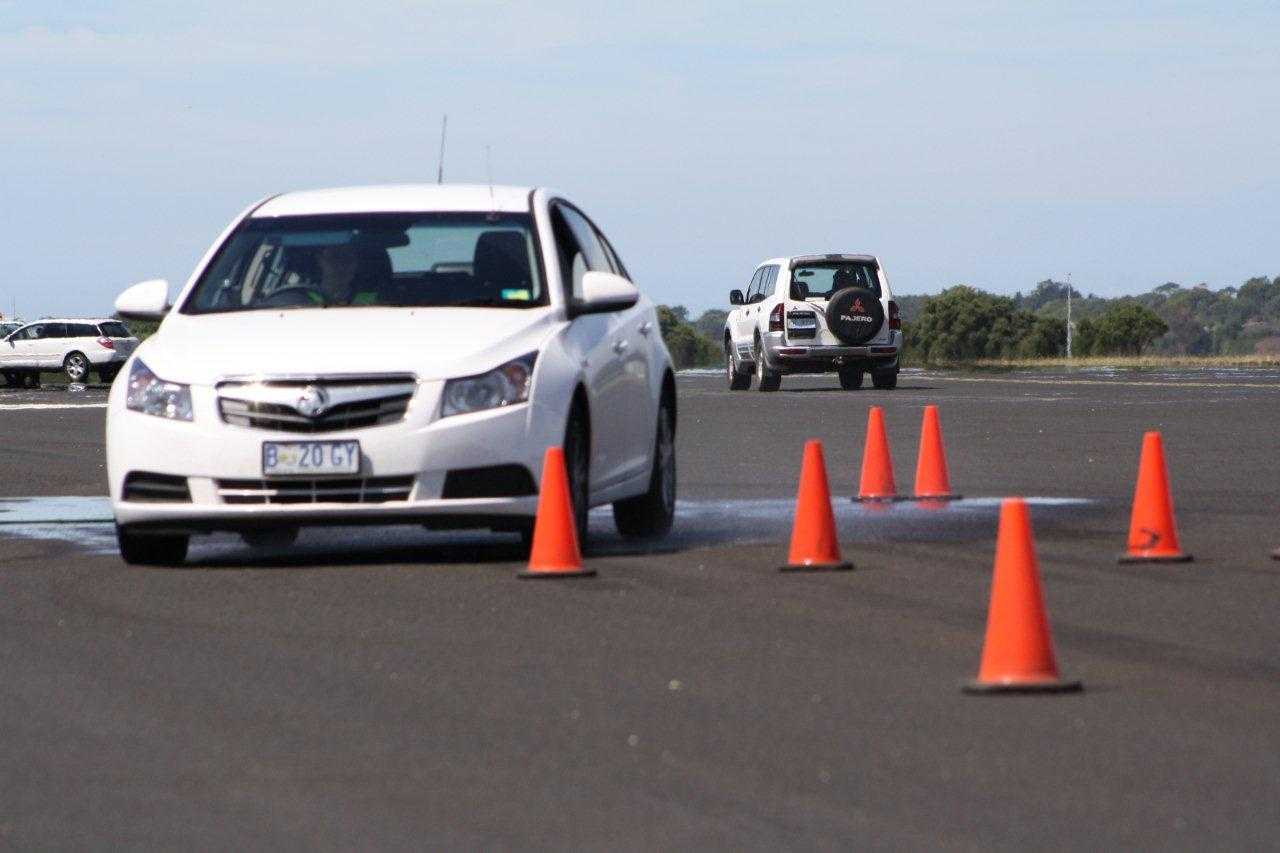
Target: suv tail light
106, 343
895, 320
775, 318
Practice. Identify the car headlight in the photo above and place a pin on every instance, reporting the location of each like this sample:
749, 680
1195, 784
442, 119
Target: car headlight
502, 386
151, 395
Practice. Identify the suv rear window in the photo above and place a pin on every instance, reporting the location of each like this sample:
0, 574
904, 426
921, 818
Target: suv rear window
821, 279
114, 330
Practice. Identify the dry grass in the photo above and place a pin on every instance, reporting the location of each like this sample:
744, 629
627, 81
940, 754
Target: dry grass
1138, 362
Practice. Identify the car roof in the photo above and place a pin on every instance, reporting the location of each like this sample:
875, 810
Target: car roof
399, 198
70, 320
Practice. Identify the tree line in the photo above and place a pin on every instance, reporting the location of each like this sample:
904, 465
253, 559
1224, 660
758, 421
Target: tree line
964, 323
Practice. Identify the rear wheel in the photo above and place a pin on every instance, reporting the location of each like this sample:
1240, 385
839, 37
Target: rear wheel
652, 513
766, 379
142, 549
30, 379
885, 380
577, 463
76, 366
738, 380
851, 378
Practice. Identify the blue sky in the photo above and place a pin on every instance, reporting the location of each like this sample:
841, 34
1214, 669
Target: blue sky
1126, 143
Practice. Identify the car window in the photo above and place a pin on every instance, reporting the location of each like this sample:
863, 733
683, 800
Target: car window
770, 279
30, 333
54, 330
411, 260
618, 266
578, 248
823, 278
114, 330
753, 289
81, 330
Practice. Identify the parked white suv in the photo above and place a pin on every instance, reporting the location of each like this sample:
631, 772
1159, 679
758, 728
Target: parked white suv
75, 347
399, 354
814, 314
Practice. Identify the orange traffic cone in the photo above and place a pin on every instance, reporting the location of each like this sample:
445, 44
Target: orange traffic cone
877, 467
555, 537
932, 483
1153, 536
813, 535
1017, 656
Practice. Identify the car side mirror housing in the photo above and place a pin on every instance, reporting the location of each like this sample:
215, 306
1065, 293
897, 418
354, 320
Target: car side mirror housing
604, 292
735, 297
146, 300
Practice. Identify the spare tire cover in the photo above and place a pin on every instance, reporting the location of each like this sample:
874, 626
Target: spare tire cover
854, 315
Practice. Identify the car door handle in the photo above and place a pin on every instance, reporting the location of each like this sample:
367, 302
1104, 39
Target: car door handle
620, 346
646, 327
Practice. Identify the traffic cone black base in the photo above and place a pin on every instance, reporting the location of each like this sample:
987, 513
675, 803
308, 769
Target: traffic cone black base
1163, 558
818, 567
979, 688
888, 499
575, 573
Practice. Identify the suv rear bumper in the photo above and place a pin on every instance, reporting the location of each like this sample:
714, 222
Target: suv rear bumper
819, 358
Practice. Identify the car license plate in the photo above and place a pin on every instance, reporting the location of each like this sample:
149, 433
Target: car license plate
310, 458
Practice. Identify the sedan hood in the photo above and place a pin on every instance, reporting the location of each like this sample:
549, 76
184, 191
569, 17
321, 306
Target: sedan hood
433, 343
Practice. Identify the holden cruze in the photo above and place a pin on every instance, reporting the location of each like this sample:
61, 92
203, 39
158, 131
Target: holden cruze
399, 354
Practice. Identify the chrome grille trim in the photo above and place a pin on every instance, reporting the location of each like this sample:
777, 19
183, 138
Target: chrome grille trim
352, 490
353, 402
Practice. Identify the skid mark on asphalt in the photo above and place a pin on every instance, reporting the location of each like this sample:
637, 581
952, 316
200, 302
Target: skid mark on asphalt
86, 522
1176, 383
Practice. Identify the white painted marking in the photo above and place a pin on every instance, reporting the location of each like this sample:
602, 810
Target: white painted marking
9, 407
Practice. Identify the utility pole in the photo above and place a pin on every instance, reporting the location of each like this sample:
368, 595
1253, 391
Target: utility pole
1068, 315
444, 127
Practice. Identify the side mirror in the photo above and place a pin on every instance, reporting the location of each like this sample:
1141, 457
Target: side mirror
735, 297
146, 300
603, 292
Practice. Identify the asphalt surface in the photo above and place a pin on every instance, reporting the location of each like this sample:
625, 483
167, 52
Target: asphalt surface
404, 690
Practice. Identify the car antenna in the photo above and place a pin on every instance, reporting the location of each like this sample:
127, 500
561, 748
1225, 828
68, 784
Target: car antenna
444, 127
488, 168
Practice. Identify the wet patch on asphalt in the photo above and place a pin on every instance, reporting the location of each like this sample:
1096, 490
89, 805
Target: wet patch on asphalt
86, 522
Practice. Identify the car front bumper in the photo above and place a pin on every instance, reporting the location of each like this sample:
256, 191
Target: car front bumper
220, 463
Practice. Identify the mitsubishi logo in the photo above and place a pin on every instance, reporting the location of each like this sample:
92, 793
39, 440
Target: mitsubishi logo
312, 402
856, 307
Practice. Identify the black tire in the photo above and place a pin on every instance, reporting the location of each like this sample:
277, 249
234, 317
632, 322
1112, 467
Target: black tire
142, 549
885, 380
577, 463
76, 366
854, 315
31, 379
738, 380
12, 379
766, 378
851, 378
650, 515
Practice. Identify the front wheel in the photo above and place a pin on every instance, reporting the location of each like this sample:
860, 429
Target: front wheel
651, 514
141, 549
885, 380
851, 378
577, 463
76, 366
738, 380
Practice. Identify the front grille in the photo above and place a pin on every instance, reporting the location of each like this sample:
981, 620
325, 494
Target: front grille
346, 403
144, 487
355, 490
493, 481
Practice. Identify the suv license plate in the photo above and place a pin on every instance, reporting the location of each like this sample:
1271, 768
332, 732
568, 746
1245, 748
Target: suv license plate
310, 458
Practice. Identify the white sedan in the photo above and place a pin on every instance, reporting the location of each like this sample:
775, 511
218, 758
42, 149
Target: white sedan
399, 354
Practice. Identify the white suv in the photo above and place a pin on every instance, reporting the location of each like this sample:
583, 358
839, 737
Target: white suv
75, 347
814, 314
399, 354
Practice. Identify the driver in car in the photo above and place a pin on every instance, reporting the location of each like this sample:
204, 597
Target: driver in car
342, 279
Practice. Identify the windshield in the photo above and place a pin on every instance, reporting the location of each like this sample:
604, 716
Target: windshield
377, 259
822, 279
7, 328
